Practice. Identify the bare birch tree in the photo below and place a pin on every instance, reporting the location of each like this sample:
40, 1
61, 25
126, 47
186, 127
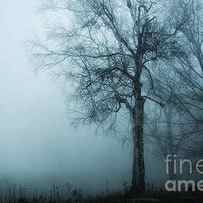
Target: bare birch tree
112, 52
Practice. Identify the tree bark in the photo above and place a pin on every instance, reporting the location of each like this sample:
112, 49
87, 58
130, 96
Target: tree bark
138, 171
170, 139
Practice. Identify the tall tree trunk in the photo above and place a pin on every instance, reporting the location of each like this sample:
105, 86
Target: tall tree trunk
170, 139
138, 171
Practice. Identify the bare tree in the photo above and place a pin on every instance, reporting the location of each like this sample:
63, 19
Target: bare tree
189, 68
112, 51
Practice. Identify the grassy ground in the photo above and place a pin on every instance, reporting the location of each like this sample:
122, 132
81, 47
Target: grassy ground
148, 197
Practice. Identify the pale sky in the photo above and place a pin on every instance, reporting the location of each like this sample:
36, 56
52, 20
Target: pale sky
37, 142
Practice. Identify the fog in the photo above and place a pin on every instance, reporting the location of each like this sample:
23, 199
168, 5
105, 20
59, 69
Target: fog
38, 144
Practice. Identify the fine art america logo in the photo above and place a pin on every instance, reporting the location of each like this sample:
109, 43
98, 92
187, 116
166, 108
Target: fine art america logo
176, 167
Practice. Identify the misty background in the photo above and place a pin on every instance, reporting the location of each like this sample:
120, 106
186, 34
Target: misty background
38, 144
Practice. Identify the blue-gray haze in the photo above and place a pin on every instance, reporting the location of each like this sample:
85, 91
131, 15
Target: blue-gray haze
38, 146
